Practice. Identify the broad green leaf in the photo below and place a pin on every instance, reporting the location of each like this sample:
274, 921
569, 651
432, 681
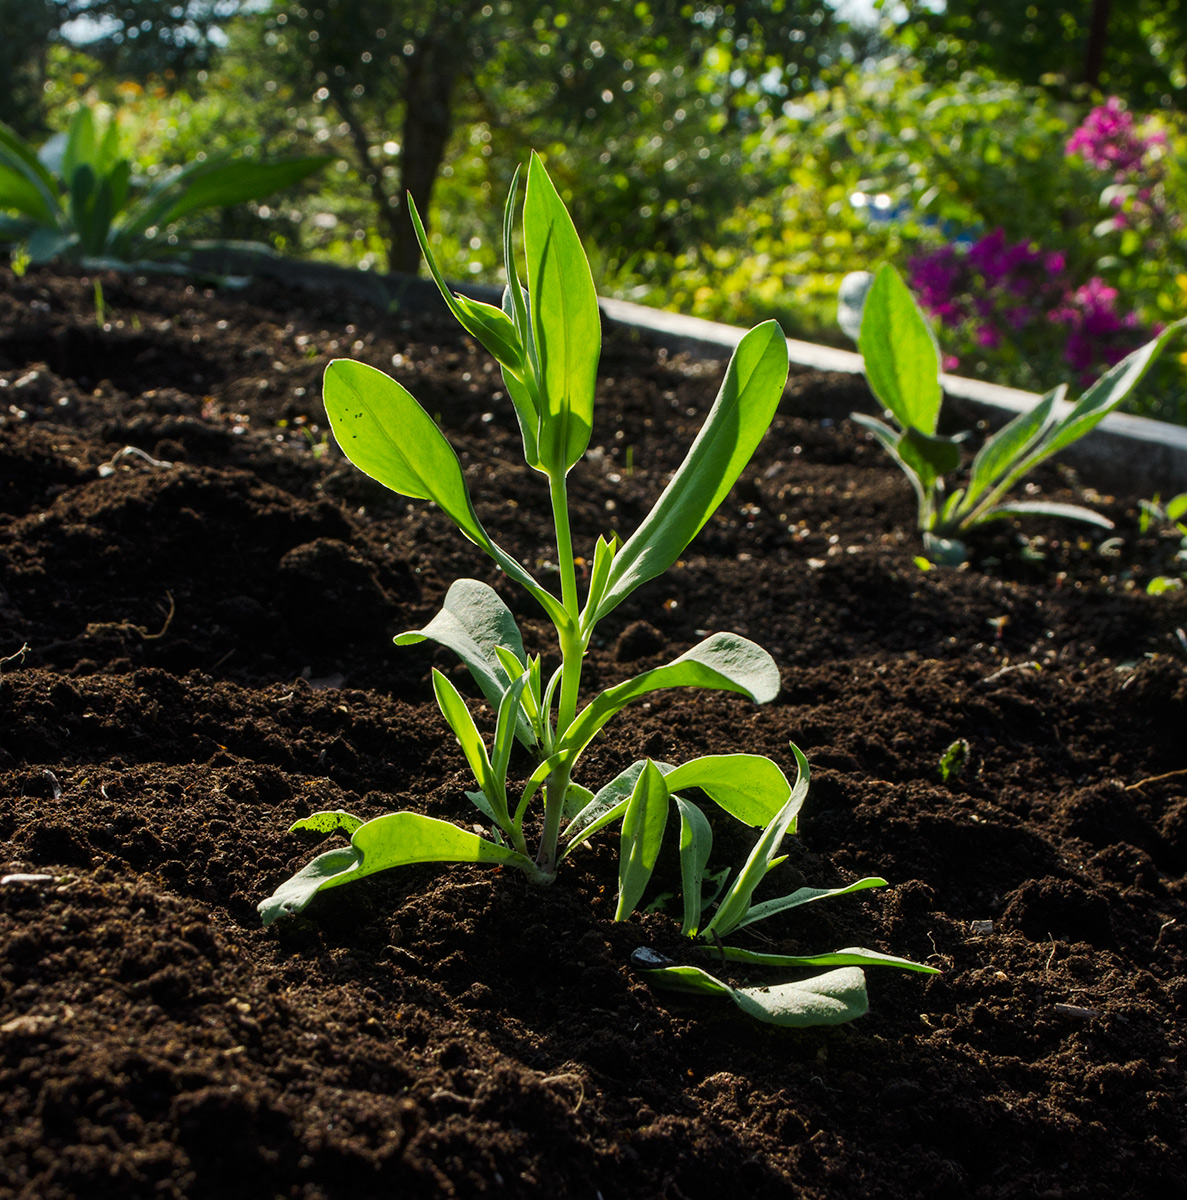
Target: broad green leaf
929, 457
851, 956
1009, 446
723, 661
741, 414
643, 826
902, 361
748, 786
696, 844
1176, 508
475, 623
211, 184
735, 905
387, 435
800, 897
394, 840
237, 181
19, 192
82, 188
328, 821
29, 187
1045, 508
490, 325
829, 999
79, 149
565, 320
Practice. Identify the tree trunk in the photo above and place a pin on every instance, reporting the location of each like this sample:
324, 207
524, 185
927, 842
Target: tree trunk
385, 206
428, 124
1098, 37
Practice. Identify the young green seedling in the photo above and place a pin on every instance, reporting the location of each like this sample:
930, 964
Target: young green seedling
546, 337
902, 365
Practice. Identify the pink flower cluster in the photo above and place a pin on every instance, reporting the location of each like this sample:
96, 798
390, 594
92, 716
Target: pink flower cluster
994, 292
994, 286
1109, 140
1096, 332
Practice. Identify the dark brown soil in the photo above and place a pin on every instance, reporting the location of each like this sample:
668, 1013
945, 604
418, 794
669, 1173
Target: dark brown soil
197, 651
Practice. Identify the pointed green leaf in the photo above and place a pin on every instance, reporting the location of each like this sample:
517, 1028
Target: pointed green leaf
394, 840
828, 999
851, 956
223, 183
735, 905
461, 721
606, 806
643, 826
565, 319
599, 576
1008, 447
741, 414
696, 844
723, 661
749, 787
803, 896
510, 714
1045, 508
328, 821
1104, 395
491, 326
902, 360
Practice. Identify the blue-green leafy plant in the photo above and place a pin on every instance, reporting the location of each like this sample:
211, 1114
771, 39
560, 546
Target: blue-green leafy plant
76, 198
902, 366
547, 339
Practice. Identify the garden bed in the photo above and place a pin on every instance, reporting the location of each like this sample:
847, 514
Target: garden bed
197, 645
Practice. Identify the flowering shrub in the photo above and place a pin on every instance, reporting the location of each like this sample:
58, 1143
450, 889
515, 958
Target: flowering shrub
1109, 140
994, 295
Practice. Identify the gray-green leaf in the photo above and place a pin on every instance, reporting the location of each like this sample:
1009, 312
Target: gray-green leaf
829, 999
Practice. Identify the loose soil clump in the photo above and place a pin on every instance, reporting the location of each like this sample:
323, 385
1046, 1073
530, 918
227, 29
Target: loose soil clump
196, 643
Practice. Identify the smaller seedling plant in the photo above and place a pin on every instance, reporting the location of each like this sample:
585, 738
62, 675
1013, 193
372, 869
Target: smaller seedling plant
902, 366
75, 198
1173, 514
547, 339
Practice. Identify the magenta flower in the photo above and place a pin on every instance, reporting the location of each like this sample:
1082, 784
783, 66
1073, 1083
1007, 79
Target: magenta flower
1108, 140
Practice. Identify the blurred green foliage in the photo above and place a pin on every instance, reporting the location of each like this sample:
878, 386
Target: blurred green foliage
731, 160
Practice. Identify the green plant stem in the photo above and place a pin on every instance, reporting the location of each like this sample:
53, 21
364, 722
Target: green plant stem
571, 643
554, 808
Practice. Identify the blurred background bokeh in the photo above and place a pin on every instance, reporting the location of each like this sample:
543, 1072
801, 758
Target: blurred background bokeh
1021, 162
